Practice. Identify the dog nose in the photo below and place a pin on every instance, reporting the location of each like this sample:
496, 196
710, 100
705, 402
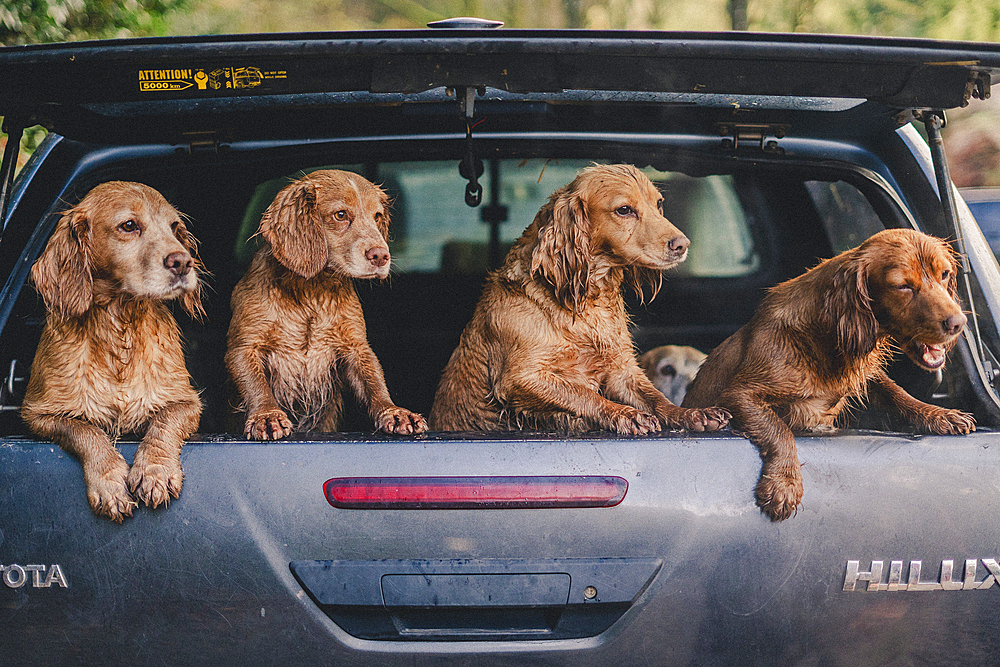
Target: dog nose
679, 244
378, 256
178, 263
954, 324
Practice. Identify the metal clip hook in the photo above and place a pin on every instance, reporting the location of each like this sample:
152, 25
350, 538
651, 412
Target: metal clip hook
471, 167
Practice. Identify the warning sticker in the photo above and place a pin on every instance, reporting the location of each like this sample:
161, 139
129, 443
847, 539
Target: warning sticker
208, 79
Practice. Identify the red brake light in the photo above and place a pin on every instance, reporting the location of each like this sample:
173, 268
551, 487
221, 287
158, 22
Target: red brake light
474, 492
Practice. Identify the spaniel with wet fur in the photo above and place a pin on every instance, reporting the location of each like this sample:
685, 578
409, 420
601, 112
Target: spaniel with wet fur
548, 346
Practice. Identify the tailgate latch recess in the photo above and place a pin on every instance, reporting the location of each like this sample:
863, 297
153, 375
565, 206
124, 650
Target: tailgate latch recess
762, 135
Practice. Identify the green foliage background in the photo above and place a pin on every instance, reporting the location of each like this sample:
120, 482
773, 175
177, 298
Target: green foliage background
33, 21
36, 21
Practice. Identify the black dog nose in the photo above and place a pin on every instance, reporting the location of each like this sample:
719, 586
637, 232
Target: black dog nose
954, 324
178, 263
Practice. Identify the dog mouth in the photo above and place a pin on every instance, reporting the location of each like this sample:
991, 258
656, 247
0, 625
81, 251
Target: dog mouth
671, 259
928, 356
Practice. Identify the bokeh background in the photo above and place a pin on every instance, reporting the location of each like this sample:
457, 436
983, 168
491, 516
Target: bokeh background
972, 136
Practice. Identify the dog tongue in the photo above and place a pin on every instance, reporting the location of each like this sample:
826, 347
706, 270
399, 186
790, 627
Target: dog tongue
933, 355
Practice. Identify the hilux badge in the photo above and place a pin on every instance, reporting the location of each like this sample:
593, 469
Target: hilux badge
893, 581
15, 576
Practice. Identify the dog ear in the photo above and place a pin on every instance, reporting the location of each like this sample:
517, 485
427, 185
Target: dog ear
562, 255
62, 274
849, 309
191, 301
293, 228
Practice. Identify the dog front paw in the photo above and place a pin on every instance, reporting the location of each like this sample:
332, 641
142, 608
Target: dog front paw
270, 424
779, 491
705, 419
107, 491
629, 421
398, 421
155, 481
951, 422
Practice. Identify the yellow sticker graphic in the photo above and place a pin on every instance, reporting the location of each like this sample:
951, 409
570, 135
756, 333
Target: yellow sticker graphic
165, 79
221, 78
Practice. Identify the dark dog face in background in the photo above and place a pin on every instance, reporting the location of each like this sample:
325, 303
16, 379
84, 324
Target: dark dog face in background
330, 219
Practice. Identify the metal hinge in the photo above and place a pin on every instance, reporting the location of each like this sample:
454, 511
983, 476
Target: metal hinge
978, 86
203, 142
764, 136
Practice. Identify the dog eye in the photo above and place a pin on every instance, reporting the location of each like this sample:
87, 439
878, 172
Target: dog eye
945, 275
624, 210
129, 226
340, 215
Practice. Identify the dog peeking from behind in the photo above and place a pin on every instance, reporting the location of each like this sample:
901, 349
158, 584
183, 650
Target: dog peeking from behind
110, 359
548, 346
297, 334
822, 340
671, 368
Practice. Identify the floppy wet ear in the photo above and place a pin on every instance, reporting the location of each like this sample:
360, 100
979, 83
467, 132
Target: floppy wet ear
191, 301
849, 310
293, 228
562, 255
62, 273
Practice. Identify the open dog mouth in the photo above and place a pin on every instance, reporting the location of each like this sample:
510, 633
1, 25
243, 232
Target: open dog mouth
928, 356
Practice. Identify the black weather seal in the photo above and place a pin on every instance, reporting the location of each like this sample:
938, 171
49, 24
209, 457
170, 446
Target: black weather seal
14, 129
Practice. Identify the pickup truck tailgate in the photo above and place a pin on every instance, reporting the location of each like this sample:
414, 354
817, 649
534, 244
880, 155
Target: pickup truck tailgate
893, 552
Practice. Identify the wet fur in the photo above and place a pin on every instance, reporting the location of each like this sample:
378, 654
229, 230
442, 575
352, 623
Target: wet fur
548, 346
297, 335
110, 359
821, 341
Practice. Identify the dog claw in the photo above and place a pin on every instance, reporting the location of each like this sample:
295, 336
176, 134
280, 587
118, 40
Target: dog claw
952, 422
108, 494
701, 419
779, 493
634, 422
398, 421
268, 425
155, 484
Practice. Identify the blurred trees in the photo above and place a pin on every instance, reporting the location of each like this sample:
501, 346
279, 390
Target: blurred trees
940, 19
30, 21
34, 21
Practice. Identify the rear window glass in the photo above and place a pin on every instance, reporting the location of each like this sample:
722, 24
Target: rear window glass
434, 231
847, 215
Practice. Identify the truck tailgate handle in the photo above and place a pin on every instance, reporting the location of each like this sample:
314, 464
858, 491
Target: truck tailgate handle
475, 590
478, 599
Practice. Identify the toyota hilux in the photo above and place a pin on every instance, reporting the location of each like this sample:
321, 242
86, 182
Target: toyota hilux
772, 152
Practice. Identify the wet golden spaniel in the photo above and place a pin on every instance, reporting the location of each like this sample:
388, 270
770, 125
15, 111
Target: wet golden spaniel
110, 359
548, 346
821, 340
297, 335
